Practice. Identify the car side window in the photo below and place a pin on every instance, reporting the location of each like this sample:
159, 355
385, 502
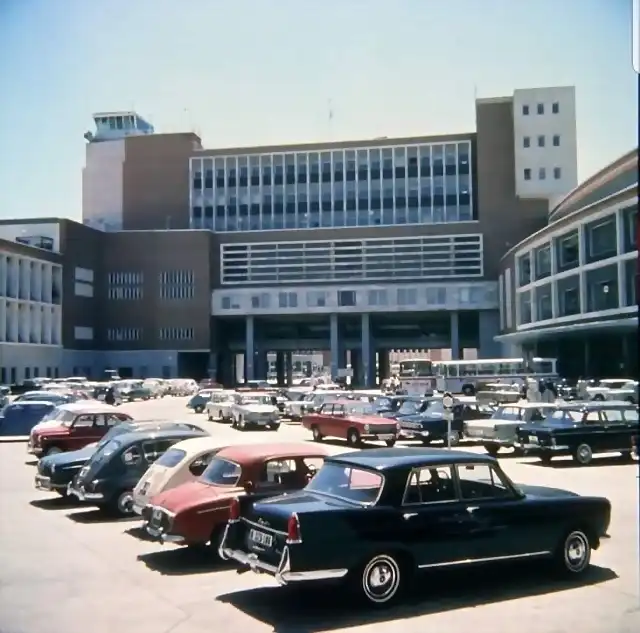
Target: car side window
198, 466
325, 409
430, 485
631, 415
481, 481
112, 420
277, 472
153, 450
612, 415
536, 415
592, 417
132, 456
84, 421
338, 409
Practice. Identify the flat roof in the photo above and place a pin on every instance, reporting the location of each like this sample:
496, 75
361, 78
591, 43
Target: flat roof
388, 458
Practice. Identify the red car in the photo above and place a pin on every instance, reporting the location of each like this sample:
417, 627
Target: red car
73, 426
350, 420
196, 513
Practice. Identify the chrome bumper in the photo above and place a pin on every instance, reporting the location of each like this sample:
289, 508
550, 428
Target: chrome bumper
82, 495
541, 449
159, 535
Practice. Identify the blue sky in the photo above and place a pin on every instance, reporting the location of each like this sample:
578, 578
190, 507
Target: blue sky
244, 72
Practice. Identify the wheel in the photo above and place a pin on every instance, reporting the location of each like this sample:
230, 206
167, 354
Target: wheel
426, 441
492, 449
317, 436
209, 417
123, 504
583, 454
274, 427
627, 456
380, 580
221, 417
573, 555
468, 390
598, 396
353, 438
546, 459
53, 450
453, 438
390, 443
242, 425
199, 409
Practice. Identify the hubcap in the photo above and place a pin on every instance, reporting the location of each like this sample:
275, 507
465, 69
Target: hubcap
381, 579
125, 502
576, 551
584, 453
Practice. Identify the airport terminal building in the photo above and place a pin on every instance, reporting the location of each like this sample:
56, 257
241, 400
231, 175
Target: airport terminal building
188, 259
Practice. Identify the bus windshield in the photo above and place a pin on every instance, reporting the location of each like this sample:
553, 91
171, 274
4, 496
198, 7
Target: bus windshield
415, 368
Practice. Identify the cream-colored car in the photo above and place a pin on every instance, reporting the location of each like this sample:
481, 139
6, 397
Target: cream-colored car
183, 462
219, 406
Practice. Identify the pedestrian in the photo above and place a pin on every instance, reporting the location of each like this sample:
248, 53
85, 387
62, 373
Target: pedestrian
110, 396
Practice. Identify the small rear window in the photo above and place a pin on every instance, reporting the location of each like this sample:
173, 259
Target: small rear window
171, 458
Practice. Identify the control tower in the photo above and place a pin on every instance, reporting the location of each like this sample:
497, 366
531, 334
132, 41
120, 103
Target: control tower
112, 126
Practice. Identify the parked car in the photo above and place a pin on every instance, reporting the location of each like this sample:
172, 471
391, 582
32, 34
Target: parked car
296, 409
198, 401
219, 406
5, 392
73, 426
255, 409
350, 420
55, 397
99, 393
408, 405
55, 472
375, 518
155, 386
614, 389
500, 430
196, 513
132, 390
183, 462
19, 418
110, 476
583, 430
431, 424
500, 393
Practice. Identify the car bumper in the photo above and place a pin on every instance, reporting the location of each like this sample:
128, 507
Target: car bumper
82, 495
255, 422
158, 535
381, 437
415, 434
44, 483
282, 572
534, 449
34, 450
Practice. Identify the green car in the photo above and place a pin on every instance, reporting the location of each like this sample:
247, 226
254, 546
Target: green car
130, 390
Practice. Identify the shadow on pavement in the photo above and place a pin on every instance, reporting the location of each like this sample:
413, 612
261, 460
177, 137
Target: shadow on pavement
55, 503
611, 460
95, 515
183, 561
304, 609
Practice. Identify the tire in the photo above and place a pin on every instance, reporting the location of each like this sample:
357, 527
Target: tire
53, 450
209, 417
198, 409
492, 449
455, 439
274, 427
353, 438
317, 436
380, 580
241, 424
546, 459
573, 555
599, 397
122, 505
426, 441
390, 443
583, 455
468, 390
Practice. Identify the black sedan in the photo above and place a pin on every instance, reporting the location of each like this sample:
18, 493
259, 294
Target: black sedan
374, 518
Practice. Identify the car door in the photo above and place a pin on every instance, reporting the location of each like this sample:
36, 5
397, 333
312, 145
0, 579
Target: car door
502, 524
434, 523
338, 421
616, 431
84, 430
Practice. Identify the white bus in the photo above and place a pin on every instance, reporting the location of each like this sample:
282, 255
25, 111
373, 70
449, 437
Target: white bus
417, 376
463, 376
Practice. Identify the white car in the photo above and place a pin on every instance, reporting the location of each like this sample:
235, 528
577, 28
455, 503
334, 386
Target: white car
219, 406
295, 409
615, 389
255, 409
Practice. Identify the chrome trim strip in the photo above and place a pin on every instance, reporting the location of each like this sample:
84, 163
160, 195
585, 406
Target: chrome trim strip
472, 561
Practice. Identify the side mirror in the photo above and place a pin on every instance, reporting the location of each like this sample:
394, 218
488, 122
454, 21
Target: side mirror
249, 486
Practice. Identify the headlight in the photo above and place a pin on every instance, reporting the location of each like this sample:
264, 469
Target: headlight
367, 428
53, 468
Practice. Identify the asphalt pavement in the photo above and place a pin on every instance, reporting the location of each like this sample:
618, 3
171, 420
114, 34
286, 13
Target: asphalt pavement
68, 569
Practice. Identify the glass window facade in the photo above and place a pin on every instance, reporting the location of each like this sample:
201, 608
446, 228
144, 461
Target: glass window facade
413, 184
544, 309
602, 288
600, 238
428, 257
567, 251
568, 294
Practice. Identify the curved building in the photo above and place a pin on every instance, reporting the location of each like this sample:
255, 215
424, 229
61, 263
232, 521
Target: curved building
569, 290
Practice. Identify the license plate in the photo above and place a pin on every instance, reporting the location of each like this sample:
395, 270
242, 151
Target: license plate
533, 439
261, 538
386, 437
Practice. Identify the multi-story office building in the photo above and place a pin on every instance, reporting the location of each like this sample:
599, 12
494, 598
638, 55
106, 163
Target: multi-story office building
366, 246
569, 289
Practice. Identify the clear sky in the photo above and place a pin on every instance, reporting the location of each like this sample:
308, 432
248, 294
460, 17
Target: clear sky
243, 72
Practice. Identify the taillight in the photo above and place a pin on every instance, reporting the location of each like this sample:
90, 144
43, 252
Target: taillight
293, 530
234, 510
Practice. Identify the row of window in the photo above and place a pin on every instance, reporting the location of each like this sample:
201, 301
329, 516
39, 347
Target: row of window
555, 141
124, 334
566, 251
125, 292
29, 323
373, 259
125, 278
331, 166
540, 108
177, 277
177, 291
30, 280
604, 290
176, 333
10, 376
542, 173
436, 296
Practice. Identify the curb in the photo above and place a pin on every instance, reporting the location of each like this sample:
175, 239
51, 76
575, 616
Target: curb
14, 439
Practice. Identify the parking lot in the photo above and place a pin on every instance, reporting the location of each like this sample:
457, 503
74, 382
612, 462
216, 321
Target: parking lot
64, 568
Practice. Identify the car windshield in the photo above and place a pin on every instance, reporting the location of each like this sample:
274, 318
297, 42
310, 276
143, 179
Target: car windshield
346, 482
614, 384
409, 407
61, 416
108, 449
171, 458
221, 472
360, 408
205, 393
256, 400
383, 403
113, 432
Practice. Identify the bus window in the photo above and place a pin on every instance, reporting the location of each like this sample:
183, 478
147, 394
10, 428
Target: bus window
452, 371
543, 366
467, 369
486, 369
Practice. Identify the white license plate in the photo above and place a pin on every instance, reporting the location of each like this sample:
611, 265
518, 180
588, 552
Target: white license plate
533, 439
261, 538
386, 437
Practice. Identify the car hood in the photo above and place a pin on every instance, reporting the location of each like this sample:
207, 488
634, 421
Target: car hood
542, 492
193, 494
49, 429
258, 408
45, 424
370, 420
422, 417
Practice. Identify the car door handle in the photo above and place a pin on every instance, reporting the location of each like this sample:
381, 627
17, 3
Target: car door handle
408, 515
472, 509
